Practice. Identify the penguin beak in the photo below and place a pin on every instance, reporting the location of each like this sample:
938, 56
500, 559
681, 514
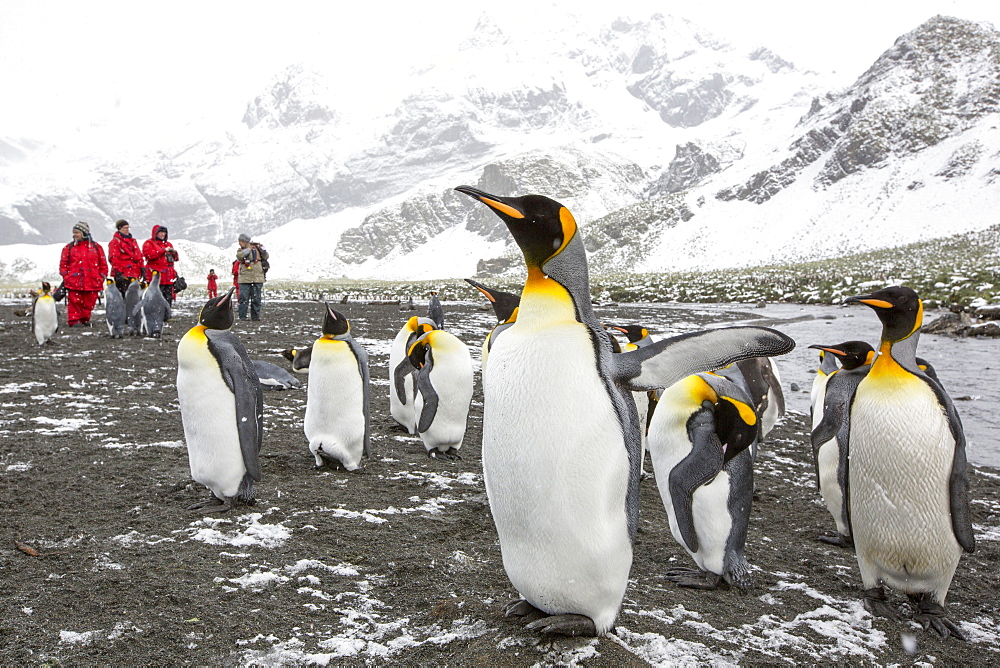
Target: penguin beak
835, 351
869, 300
493, 201
228, 297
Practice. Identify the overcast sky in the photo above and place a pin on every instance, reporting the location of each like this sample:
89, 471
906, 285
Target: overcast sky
65, 65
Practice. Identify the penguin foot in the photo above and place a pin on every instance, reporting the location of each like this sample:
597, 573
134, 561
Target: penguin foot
875, 603
692, 578
452, 453
840, 540
521, 608
564, 625
211, 505
931, 616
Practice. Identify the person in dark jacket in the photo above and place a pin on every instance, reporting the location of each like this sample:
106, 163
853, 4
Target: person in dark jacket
83, 268
251, 257
124, 256
160, 256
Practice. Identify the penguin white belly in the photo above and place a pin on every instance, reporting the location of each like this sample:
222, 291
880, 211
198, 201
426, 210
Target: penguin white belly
452, 379
556, 473
402, 412
335, 412
712, 523
208, 411
828, 467
46, 319
817, 396
901, 460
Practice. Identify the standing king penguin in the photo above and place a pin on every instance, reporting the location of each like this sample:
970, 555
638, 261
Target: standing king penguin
133, 318
442, 380
831, 435
338, 423
561, 448
44, 318
401, 371
222, 407
827, 365
699, 440
504, 307
909, 490
114, 309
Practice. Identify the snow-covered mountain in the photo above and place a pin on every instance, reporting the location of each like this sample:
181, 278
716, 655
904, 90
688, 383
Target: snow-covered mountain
673, 148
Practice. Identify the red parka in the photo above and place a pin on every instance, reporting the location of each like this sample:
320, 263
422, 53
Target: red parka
155, 251
124, 256
83, 266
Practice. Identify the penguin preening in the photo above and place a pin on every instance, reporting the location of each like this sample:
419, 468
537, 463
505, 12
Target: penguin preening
114, 309
401, 372
699, 441
222, 407
504, 307
44, 317
909, 498
557, 417
442, 378
831, 436
337, 422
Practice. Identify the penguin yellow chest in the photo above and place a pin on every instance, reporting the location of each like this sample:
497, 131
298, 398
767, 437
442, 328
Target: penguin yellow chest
900, 462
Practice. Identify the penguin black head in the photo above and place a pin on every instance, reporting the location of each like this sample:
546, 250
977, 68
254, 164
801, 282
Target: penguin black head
417, 354
542, 227
334, 323
851, 354
217, 313
633, 332
899, 309
732, 427
503, 303
46, 287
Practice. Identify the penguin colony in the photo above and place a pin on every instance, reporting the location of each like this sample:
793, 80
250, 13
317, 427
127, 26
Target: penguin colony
567, 417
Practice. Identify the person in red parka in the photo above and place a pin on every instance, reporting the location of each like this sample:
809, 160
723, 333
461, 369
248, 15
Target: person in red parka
83, 268
160, 256
213, 284
124, 256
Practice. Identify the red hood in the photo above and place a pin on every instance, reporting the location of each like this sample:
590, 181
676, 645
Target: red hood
156, 228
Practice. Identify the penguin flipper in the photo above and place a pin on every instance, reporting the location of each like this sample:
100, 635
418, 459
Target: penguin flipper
700, 466
958, 481
362, 356
399, 374
430, 397
241, 378
665, 362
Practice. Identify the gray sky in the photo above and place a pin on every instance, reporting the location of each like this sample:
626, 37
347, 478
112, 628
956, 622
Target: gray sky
66, 65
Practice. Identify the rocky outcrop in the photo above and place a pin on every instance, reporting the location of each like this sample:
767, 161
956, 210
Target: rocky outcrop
294, 97
963, 324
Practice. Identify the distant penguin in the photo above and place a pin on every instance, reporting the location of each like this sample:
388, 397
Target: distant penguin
561, 447
114, 309
338, 423
222, 407
153, 309
133, 316
299, 357
699, 441
401, 372
831, 436
504, 307
273, 377
434, 310
443, 391
909, 490
44, 318
827, 365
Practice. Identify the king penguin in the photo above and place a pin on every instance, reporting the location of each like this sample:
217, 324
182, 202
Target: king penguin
504, 307
44, 317
831, 435
909, 490
133, 317
561, 448
114, 309
434, 310
699, 441
153, 308
645, 402
222, 407
827, 365
299, 357
273, 377
338, 423
442, 380
401, 371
